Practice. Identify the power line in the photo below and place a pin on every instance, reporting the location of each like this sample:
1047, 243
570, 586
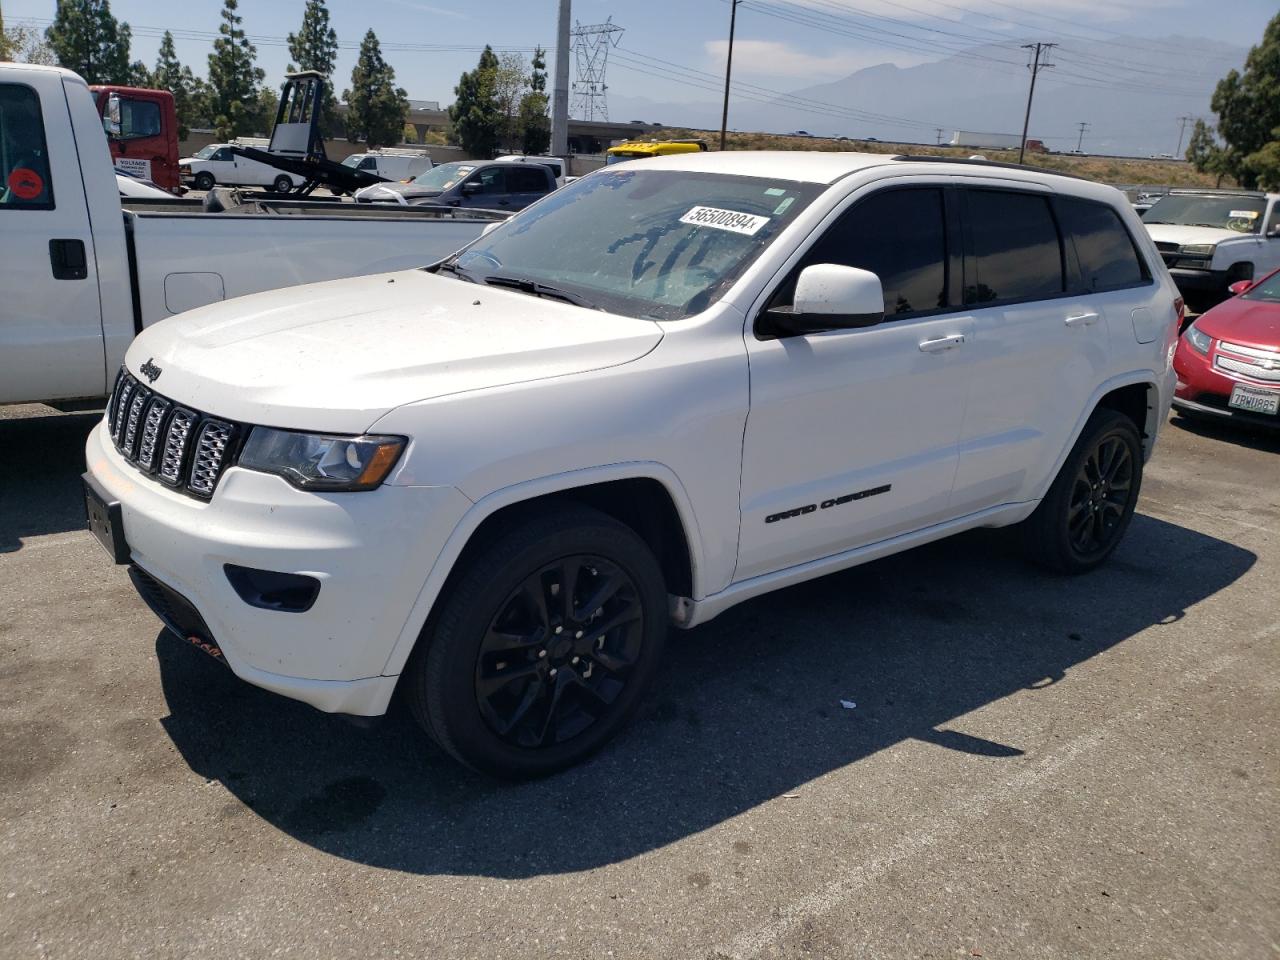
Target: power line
1036, 66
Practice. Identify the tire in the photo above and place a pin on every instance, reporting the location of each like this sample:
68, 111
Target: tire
499, 687
1085, 514
282, 184
204, 180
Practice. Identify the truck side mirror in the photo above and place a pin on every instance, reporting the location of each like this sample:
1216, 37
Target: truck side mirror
111, 118
1239, 287
830, 296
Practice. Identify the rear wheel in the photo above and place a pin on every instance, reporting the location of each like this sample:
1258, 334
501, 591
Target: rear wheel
543, 647
1087, 510
282, 184
204, 180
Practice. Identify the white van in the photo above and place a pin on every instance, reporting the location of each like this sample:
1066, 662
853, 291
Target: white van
218, 165
391, 165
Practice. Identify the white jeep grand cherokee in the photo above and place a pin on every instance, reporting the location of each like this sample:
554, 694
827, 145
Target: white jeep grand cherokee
666, 388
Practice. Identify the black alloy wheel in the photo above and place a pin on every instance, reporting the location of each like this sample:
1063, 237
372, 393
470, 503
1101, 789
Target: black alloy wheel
1099, 496
542, 644
558, 653
1084, 515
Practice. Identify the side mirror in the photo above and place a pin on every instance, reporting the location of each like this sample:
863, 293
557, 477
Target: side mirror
111, 119
490, 227
472, 186
1239, 287
831, 296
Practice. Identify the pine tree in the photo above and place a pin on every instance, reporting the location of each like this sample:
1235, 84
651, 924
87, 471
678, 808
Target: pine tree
233, 78
475, 116
376, 107
86, 38
315, 47
171, 75
535, 125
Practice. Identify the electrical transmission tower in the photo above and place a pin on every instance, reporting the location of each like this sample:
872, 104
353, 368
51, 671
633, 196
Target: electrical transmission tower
591, 46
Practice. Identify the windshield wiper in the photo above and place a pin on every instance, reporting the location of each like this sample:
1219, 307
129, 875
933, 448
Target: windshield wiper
525, 285
451, 266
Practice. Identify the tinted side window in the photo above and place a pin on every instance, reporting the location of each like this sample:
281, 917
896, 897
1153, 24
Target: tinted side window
526, 180
368, 163
1013, 252
223, 154
899, 235
490, 180
24, 158
1108, 259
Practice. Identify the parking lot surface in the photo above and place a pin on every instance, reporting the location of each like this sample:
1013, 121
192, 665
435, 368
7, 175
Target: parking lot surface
1033, 766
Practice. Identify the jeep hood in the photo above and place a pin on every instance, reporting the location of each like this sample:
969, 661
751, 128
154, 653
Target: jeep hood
337, 356
1179, 234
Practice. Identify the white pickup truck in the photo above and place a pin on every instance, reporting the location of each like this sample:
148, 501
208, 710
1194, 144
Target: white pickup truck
80, 276
666, 388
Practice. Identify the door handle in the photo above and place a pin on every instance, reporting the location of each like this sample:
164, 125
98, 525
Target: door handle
1081, 319
68, 259
938, 344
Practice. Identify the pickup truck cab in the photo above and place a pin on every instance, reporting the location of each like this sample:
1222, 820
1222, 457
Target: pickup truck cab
142, 132
1210, 239
218, 165
667, 388
486, 184
83, 271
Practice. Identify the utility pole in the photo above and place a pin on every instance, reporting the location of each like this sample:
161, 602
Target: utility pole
728, 72
1036, 66
560, 94
938, 131
1080, 139
1182, 129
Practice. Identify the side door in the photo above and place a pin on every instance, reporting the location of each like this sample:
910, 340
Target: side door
486, 188
851, 437
1041, 343
223, 166
141, 147
1269, 254
50, 312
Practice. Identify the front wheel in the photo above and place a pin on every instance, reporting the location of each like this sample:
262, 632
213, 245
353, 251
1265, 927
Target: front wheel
282, 184
543, 647
1083, 517
204, 180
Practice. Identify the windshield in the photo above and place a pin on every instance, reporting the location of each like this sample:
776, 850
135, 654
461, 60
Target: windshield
444, 176
1268, 289
657, 244
1241, 214
352, 160
204, 153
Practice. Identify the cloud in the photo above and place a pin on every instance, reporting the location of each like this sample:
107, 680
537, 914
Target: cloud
1003, 14
428, 8
770, 58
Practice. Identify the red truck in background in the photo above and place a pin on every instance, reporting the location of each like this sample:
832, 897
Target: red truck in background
142, 129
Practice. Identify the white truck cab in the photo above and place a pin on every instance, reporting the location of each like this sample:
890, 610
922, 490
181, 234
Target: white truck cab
492, 484
1210, 239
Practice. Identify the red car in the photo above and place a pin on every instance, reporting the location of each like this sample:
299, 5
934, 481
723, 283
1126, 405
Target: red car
1228, 360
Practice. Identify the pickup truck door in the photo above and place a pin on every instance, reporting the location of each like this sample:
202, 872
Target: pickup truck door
51, 343
852, 434
492, 193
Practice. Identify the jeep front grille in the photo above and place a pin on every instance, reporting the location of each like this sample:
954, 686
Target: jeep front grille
181, 447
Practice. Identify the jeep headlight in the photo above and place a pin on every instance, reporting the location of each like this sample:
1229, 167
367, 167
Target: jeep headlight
1199, 340
1197, 249
321, 461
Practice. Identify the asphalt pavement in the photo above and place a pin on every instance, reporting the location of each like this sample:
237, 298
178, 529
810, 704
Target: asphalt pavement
1032, 766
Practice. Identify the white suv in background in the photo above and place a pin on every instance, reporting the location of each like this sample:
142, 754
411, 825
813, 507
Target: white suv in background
493, 483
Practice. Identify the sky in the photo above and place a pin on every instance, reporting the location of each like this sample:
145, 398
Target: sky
782, 45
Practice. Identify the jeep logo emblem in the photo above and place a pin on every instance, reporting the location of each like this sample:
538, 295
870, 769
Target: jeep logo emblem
150, 370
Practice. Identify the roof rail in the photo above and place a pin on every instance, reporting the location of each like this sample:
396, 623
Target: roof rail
1223, 191
966, 161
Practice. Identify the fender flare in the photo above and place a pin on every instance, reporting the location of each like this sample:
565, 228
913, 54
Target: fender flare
491, 503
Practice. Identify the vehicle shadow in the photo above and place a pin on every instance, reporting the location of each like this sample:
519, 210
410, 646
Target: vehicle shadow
1229, 431
41, 459
747, 708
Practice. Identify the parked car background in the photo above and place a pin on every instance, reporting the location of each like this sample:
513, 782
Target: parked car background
555, 163
1228, 360
488, 184
218, 165
391, 164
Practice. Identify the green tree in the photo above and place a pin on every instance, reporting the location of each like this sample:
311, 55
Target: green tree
1248, 109
315, 47
509, 83
24, 43
1204, 152
475, 116
171, 75
376, 107
535, 125
233, 79
86, 38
